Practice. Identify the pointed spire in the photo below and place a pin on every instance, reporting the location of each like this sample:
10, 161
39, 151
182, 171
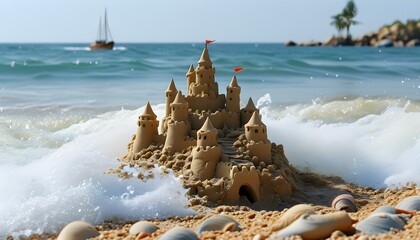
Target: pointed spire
234, 82
191, 70
255, 120
179, 99
171, 86
148, 111
205, 57
250, 106
208, 127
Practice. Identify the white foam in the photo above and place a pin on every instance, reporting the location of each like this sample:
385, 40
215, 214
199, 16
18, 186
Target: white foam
375, 147
68, 183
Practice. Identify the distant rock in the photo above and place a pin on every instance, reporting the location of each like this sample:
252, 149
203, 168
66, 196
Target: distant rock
312, 44
290, 44
396, 34
413, 43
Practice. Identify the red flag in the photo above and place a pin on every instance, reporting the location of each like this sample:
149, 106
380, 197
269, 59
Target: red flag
209, 41
238, 69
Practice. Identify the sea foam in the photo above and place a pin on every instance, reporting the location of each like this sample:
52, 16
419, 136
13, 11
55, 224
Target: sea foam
68, 183
368, 141
371, 142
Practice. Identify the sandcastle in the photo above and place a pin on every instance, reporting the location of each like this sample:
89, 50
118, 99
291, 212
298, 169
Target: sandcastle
220, 151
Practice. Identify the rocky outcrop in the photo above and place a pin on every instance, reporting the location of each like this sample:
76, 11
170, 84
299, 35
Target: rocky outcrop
393, 35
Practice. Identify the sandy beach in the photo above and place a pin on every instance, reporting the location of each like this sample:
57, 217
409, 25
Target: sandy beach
257, 220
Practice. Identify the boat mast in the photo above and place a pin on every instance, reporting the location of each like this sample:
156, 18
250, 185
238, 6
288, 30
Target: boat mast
99, 36
106, 26
107, 29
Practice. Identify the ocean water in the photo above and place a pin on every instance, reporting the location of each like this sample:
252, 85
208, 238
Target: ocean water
67, 113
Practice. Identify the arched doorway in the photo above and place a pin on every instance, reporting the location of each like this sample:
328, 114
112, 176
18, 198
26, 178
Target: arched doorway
248, 192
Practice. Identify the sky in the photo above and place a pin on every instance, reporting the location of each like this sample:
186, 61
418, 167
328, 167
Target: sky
191, 20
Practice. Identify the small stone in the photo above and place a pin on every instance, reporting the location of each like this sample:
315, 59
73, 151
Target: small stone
78, 230
143, 227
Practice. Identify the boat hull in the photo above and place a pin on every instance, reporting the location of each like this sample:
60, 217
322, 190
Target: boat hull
102, 46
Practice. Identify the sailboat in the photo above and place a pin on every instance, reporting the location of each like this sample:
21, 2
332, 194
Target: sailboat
104, 39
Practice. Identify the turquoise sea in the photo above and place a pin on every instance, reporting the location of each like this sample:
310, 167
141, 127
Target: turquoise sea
66, 114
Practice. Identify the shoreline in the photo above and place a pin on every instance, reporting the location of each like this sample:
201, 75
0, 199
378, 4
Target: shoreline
256, 221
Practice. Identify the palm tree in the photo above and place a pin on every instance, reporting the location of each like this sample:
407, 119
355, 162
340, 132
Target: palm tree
349, 12
339, 22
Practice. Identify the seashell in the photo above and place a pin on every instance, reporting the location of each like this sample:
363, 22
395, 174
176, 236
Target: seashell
314, 226
179, 233
143, 228
410, 204
218, 223
380, 223
345, 202
391, 210
77, 230
291, 215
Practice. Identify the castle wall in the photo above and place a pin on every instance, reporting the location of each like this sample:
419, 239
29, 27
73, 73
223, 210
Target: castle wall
256, 133
206, 103
245, 179
176, 136
145, 135
262, 150
179, 112
233, 99
205, 75
204, 161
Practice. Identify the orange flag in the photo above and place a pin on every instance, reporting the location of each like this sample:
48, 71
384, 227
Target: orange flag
209, 41
238, 69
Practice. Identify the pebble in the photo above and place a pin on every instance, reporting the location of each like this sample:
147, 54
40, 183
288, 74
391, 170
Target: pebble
78, 230
218, 223
179, 233
143, 228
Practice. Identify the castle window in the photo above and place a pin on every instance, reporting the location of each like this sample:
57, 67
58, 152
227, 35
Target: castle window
205, 137
263, 130
230, 99
209, 77
256, 130
247, 129
201, 75
231, 91
199, 137
173, 109
144, 125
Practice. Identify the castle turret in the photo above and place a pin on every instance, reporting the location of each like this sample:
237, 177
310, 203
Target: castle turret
205, 76
170, 96
207, 134
233, 92
207, 153
247, 111
191, 76
147, 129
179, 108
255, 129
258, 143
178, 125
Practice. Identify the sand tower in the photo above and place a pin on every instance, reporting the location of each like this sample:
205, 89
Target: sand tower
233, 92
191, 77
258, 143
247, 111
207, 153
178, 125
147, 130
